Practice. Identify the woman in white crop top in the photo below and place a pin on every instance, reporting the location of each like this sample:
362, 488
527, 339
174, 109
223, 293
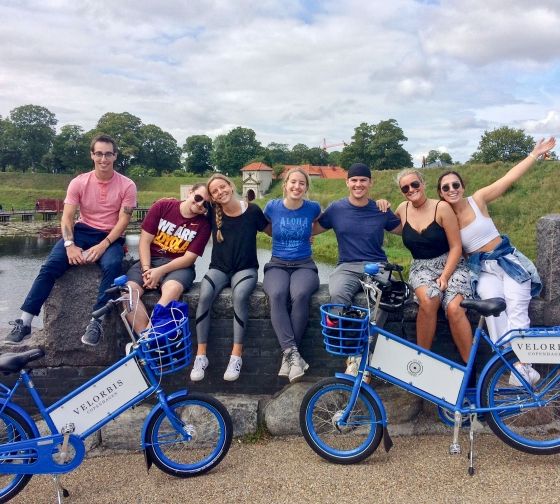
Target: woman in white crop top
516, 279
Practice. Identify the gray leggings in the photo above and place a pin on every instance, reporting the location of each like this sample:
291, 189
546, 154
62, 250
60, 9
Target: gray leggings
299, 284
242, 285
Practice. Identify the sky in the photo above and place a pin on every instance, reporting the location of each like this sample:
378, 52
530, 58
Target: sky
295, 71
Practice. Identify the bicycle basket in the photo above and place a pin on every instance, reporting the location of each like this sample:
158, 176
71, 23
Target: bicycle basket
167, 343
345, 329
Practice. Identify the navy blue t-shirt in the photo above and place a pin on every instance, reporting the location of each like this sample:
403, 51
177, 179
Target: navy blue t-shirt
359, 230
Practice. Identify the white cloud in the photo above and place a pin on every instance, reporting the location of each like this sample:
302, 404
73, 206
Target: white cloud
294, 71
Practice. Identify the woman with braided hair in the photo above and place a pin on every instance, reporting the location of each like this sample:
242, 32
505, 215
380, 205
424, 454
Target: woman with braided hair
234, 262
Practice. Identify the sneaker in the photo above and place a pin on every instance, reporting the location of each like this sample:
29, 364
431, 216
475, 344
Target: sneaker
94, 332
199, 366
285, 367
233, 368
297, 365
19, 331
352, 365
530, 375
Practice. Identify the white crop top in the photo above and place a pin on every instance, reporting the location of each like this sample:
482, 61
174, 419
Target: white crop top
479, 232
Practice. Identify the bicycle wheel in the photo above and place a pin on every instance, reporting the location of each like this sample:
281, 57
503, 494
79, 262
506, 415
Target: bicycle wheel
13, 428
532, 430
206, 420
322, 407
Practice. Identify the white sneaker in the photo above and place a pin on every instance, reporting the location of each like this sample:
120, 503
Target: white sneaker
297, 365
352, 365
199, 366
233, 368
531, 375
285, 367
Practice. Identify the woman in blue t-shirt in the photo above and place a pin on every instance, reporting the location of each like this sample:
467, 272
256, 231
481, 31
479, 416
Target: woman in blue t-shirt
290, 278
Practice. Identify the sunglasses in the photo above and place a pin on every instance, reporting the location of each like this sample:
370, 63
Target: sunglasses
198, 198
414, 185
447, 187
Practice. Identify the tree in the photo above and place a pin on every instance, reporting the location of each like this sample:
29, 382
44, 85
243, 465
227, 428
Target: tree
334, 158
125, 128
235, 149
158, 149
33, 133
10, 155
503, 144
277, 153
377, 145
300, 154
435, 155
70, 151
198, 149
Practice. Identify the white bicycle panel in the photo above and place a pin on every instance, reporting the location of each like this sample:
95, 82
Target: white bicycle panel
102, 398
417, 369
537, 350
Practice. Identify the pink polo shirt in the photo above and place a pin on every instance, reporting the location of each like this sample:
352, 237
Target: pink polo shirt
100, 201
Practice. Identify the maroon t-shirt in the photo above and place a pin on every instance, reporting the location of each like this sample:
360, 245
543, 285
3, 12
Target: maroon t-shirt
173, 233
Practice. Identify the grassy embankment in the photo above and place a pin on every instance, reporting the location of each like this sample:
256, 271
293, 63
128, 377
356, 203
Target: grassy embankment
515, 214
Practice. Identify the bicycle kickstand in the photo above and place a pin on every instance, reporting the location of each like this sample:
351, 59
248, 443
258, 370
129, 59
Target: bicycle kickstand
474, 427
60, 490
455, 447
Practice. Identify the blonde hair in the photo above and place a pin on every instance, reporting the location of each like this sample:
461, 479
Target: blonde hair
296, 169
219, 213
409, 171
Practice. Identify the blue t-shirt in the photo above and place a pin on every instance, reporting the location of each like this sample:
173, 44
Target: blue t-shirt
359, 230
291, 229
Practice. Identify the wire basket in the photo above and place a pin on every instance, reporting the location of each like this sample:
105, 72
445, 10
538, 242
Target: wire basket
345, 329
169, 351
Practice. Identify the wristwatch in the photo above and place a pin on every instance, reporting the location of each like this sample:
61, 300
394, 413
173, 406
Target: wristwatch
67, 243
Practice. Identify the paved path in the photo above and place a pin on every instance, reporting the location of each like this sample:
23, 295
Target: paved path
284, 470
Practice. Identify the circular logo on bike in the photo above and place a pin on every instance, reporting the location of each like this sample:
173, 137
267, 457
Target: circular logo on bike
414, 367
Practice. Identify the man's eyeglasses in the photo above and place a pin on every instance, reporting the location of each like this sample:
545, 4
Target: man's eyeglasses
106, 155
447, 187
414, 185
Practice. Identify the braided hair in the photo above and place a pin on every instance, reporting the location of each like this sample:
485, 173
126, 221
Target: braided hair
218, 210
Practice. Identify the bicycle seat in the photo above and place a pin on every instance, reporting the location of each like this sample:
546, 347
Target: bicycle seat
486, 307
15, 362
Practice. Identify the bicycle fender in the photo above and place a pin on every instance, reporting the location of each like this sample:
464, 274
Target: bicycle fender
485, 370
154, 410
23, 413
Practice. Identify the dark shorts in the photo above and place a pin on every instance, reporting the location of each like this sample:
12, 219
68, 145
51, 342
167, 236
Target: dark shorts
184, 276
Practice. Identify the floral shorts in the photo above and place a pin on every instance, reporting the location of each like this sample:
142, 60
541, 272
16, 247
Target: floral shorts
425, 272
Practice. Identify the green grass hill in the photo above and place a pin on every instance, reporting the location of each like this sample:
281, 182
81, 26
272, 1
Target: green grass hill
515, 214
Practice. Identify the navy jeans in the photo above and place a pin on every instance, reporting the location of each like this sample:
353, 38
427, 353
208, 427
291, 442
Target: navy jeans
57, 263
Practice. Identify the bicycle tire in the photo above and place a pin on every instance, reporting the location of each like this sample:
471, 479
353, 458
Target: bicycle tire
317, 418
211, 428
14, 427
530, 430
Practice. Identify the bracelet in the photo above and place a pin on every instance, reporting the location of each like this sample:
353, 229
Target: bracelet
110, 242
531, 155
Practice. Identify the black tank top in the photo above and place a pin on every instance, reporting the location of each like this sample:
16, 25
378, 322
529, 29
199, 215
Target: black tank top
430, 243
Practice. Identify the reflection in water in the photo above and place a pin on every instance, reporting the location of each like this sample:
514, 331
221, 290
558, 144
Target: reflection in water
22, 256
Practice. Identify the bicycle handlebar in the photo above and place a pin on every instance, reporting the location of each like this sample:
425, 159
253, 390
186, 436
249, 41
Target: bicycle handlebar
103, 310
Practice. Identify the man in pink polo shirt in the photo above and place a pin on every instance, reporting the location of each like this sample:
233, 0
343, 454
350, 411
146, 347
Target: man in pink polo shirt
105, 199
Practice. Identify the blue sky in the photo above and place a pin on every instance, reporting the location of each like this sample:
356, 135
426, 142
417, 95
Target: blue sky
294, 71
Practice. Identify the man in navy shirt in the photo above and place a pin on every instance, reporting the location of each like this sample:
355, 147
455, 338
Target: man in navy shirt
359, 226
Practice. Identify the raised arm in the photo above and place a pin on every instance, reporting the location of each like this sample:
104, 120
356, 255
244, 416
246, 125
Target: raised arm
496, 189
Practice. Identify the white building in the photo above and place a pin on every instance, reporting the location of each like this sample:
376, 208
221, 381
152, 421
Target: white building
257, 178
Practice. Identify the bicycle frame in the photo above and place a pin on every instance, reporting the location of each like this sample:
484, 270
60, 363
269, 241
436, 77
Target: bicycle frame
130, 382
394, 370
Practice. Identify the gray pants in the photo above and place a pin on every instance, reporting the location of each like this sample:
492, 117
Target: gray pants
242, 285
344, 284
299, 283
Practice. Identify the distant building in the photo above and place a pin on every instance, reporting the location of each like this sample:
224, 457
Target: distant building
257, 178
438, 164
324, 172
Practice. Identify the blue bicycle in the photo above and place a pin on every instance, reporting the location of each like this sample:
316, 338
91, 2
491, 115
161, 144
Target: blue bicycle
343, 418
184, 434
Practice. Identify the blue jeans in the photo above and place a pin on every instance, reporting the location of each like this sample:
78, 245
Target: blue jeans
57, 263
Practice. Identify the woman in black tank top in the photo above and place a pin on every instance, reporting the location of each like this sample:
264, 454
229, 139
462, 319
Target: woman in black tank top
438, 273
